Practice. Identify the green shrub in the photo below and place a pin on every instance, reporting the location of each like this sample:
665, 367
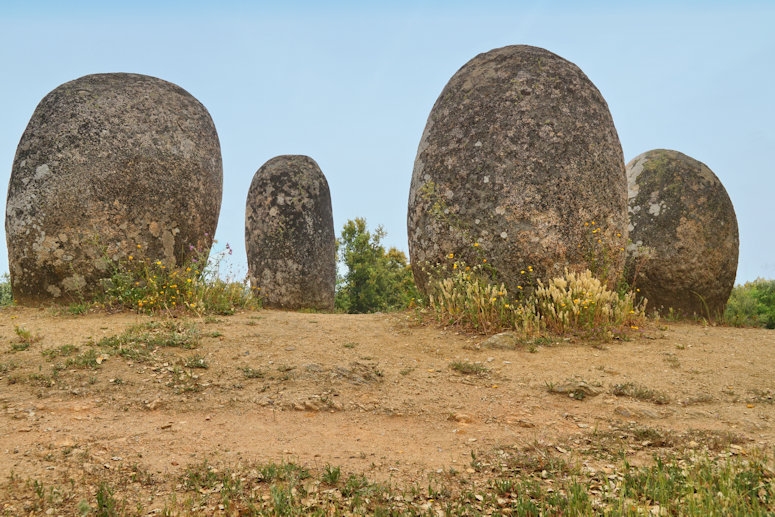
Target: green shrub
6, 296
375, 279
752, 304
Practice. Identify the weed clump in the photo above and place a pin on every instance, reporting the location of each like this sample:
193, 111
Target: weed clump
579, 301
151, 286
576, 302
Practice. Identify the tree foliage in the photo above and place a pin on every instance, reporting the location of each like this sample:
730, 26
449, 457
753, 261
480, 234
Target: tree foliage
374, 279
752, 304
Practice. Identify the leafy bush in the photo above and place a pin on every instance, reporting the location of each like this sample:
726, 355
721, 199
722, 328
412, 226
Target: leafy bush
6, 296
375, 279
752, 304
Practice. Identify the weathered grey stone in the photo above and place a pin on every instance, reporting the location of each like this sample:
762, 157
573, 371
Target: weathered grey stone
109, 163
683, 231
518, 153
289, 235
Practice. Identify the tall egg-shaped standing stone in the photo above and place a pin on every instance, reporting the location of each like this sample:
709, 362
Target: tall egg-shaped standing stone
520, 156
110, 165
289, 235
684, 237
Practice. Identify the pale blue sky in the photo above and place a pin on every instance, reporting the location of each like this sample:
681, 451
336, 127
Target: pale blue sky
351, 84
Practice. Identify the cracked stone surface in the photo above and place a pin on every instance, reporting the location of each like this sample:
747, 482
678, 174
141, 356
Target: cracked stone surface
109, 165
519, 152
289, 235
684, 235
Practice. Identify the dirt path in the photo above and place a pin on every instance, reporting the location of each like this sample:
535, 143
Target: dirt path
376, 394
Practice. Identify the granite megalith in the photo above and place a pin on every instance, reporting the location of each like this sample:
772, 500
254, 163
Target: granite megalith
289, 235
684, 237
109, 165
519, 164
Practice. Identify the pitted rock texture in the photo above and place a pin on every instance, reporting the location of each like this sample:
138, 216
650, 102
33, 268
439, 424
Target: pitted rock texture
289, 235
684, 237
109, 165
518, 153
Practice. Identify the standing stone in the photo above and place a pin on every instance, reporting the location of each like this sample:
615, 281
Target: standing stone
520, 156
289, 235
109, 165
683, 232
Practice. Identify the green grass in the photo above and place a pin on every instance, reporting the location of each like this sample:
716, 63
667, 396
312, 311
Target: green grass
61, 351
510, 481
467, 368
137, 342
639, 392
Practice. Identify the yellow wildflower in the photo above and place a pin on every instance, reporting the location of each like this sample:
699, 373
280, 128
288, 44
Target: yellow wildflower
476, 245
131, 257
451, 255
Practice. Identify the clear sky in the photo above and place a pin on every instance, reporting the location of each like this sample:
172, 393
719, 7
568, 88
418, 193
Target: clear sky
351, 83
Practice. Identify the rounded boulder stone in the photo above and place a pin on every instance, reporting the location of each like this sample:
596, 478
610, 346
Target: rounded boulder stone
684, 237
109, 166
289, 235
519, 165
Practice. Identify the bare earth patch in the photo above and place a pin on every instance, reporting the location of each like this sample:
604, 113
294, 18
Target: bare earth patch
83, 396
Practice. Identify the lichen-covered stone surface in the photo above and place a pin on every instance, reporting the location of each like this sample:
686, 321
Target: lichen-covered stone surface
520, 156
684, 237
109, 165
289, 235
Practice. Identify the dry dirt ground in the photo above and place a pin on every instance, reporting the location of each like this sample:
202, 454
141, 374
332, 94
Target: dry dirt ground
376, 394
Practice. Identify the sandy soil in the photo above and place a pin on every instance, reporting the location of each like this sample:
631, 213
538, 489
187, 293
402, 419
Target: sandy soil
377, 394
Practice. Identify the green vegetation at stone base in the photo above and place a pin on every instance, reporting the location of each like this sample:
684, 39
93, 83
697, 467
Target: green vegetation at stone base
149, 285
752, 305
375, 279
538, 479
466, 296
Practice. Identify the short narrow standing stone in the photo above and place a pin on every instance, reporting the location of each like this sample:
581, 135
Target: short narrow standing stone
684, 236
110, 166
289, 235
518, 165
